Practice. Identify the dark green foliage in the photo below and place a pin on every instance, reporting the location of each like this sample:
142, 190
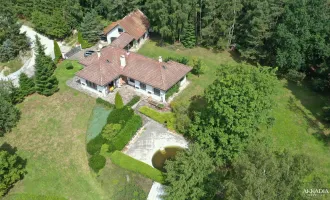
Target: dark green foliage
295, 76
9, 116
189, 37
182, 60
126, 133
12, 170
96, 162
104, 103
51, 24
238, 102
84, 43
129, 163
26, 85
57, 51
181, 112
10, 93
133, 101
94, 146
11, 40
119, 101
174, 89
120, 115
69, 66
197, 67
326, 113
91, 27
182, 168
320, 84
45, 81
261, 173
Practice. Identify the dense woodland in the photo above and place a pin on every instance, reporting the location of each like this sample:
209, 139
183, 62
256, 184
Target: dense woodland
229, 146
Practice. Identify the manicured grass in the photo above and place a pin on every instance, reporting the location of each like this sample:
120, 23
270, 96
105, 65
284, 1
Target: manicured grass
166, 118
134, 165
210, 59
51, 135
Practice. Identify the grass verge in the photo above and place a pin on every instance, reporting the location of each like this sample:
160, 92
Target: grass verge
166, 118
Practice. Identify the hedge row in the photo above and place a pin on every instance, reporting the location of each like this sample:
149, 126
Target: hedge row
166, 118
94, 146
104, 103
129, 163
133, 101
120, 116
125, 134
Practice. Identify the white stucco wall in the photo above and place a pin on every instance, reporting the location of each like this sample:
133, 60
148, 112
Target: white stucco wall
183, 80
148, 92
100, 90
113, 33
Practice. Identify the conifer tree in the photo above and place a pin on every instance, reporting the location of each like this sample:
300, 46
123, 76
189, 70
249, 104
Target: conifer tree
26, 85
119, 101
189, 38
45, 81
57, 51
91, 27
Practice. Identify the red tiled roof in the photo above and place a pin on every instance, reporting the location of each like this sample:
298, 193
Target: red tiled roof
122, 41
135, 24
103, 70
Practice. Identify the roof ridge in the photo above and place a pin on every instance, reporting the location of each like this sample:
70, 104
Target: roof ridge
162, 74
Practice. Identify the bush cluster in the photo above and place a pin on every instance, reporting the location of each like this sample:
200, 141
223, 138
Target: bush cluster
174, 89
94, 146
97, 162
104, 103
120, 116
129, 163
124, 136
134, 100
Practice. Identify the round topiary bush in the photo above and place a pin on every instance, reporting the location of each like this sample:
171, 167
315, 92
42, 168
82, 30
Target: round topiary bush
94, 146
69, 66
97, 162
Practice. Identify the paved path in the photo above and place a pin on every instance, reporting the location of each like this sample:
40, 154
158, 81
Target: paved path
28, 66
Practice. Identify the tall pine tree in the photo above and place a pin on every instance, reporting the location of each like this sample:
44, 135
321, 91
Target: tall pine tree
45, 80
189, 38
91, 27
26, 85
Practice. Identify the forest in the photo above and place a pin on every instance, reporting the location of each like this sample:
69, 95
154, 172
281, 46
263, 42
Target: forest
291, 35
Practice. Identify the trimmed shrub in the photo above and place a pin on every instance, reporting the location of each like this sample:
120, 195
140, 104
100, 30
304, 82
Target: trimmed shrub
104, 103
133, 101
84, 44
26, 85
119, 101
129, 163
125, 134
110, 131
166, 118
69, 66
96, 162
120, 115
182, 60
94, 146
57, 52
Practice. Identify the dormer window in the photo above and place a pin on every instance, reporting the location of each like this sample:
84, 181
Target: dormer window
120, 30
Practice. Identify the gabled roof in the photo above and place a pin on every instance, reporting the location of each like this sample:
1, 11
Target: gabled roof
122, 41
102, 70
135, 24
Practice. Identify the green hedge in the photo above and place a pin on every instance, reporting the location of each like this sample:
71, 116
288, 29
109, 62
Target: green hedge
120, 115
166, 118
129, 163
96, 162
104, 103
94, 146
125, 134
84, 43
133, 101
174, 89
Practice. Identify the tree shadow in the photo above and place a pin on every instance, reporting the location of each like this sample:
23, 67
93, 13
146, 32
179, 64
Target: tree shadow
12, 151
197, 104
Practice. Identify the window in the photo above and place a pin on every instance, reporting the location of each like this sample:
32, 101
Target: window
143, 86
156, 91
120, 30
91, 84
131, 80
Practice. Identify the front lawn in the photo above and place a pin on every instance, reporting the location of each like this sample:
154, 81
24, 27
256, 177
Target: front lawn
51, 135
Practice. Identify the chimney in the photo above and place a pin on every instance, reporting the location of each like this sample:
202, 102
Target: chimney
98, 53
122, 61
160, 59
